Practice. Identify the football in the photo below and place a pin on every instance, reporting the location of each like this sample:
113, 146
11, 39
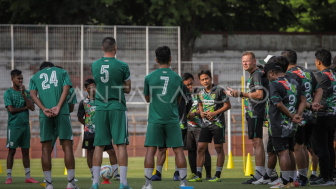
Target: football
106, 172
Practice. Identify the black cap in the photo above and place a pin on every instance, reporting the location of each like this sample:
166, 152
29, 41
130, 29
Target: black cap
272, 64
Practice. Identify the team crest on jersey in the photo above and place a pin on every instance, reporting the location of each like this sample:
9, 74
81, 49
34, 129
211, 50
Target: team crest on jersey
213, 96
106, 60
330, 75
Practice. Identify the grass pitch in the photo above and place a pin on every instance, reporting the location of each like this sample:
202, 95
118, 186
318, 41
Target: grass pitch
231, 178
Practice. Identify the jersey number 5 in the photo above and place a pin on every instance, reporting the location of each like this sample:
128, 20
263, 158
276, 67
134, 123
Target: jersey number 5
53, 80
166, 79
103, 70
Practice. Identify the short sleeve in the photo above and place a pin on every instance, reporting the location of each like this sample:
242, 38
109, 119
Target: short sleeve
146, 87
223, 97
71, 98
32, 85
257, 80
325, 82
275, 96
315, 84
66, 79
127, 74
8, 99
81, 110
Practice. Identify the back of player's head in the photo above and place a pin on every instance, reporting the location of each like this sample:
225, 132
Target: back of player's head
324, 56
250, 53
207, 72
187, 76
59, 67
277, 64
46, 64
88, 82
283, 62
15, 72
163, 54
108, 44
290, 55
260, 66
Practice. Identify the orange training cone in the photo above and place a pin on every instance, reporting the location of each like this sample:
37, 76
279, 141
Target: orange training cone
249, 168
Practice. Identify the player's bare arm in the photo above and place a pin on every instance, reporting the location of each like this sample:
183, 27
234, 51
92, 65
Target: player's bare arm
28, 102
226, 106
315, 105
285, 111
302, 105
127, 86
147, 98
257, 95
55, 110
13, 110
46, 111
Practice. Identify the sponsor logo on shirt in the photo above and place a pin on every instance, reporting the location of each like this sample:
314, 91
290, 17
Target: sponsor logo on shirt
208, 102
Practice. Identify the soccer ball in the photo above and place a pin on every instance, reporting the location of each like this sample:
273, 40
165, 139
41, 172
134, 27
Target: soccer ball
106, 172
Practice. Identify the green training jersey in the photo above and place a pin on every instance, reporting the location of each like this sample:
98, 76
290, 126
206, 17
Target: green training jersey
110, 75
49, 84
71, 98
163, 86
14, 98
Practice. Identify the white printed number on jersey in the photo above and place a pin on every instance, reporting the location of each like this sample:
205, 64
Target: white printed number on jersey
46, 83
166, 79
104, 71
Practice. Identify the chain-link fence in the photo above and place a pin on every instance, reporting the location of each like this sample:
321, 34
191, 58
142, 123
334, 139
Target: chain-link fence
74, 48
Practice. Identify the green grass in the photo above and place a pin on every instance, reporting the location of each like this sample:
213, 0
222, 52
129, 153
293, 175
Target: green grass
231, 178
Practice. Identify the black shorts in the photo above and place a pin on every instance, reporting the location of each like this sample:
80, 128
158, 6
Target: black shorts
281, 144
308, 134
191, 140
255, 127
212, 131
300, 135
270, 147
88, 142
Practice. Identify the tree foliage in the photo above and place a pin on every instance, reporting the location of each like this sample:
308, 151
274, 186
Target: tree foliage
194, 16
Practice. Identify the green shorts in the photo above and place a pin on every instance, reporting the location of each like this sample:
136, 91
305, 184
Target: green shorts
18, 137
164, 135
110, 125
59, 126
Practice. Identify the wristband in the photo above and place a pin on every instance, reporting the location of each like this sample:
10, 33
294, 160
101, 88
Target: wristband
311, 106
241, 95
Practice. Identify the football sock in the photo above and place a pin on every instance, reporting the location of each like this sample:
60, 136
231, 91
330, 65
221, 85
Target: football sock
91, 172
295, 175
303, 174
123, 175
159, 168
183, 176
71, 176
291, 176
96, 172
314, 173
47, 177
199, 171
218, 171
259, 172
9, 173
148, 175
27, 171
115, 169
176, 169
285, 177
269, 172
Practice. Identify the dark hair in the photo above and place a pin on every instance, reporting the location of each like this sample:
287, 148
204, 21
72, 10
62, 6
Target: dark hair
108, 44
163, 54
290, 55
283, 62
324, 56
15, 72
46, 64
187, 76
88, 82
207, 72
260, 66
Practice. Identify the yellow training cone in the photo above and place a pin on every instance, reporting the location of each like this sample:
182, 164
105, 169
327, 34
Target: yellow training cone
230, 162
249, 167
65, 171
0, 168
43, 185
